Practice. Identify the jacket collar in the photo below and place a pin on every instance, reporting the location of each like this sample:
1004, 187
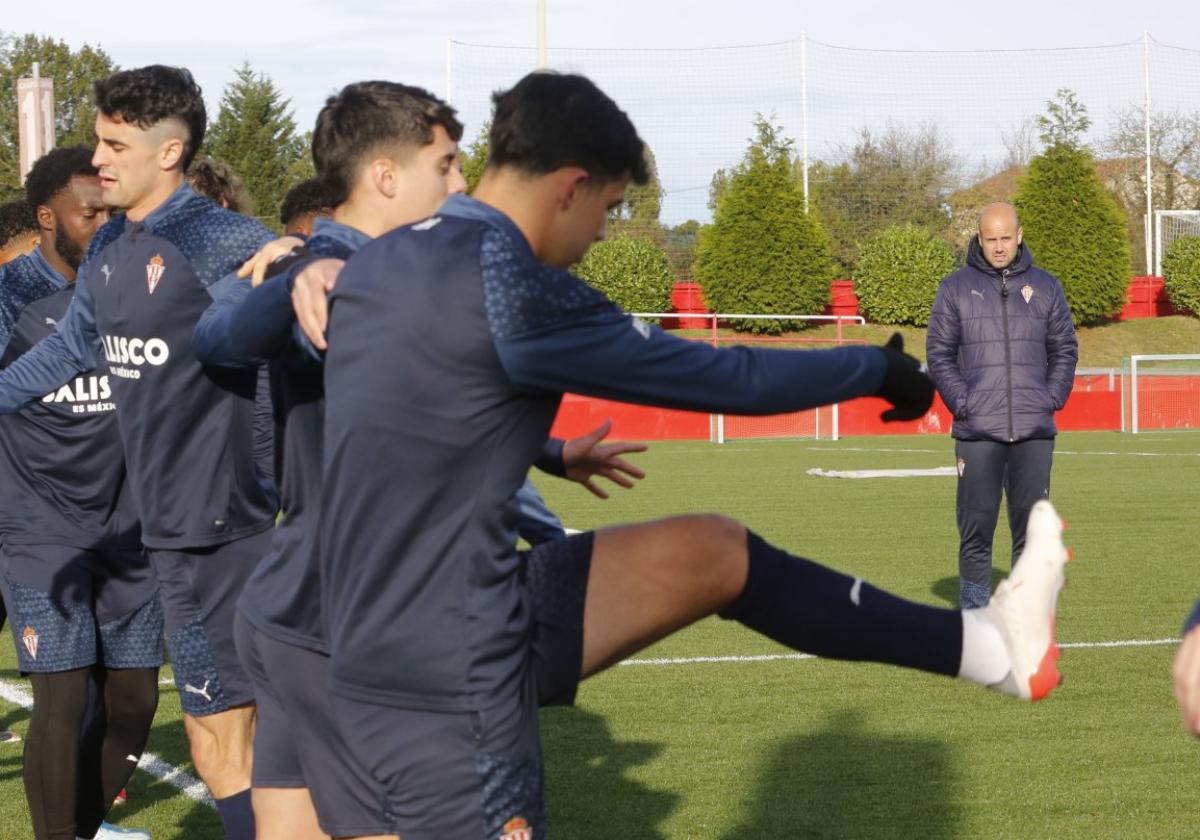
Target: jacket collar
39, 262
352, 238
1022, 262
464, 207
182, 195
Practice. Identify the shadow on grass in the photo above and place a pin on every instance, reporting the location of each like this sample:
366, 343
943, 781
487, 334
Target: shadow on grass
845, 783
588, 792
947, 588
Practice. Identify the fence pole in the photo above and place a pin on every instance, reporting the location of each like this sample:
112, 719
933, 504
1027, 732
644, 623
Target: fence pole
1149, 167
541, 35
804, 112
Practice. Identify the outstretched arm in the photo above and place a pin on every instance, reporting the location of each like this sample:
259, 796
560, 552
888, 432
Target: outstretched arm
73, 348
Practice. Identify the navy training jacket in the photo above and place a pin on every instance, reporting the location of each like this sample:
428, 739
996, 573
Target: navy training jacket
1002, 349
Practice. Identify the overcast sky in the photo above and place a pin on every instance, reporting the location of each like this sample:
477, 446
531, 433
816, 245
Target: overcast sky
311, 48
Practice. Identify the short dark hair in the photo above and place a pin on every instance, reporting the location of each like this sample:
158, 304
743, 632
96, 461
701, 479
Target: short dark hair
216, 179
307, 197
364, 116
148, 95
551, 120
16, 219
53, 171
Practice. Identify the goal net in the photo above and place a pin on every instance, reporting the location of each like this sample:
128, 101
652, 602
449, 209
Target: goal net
1160, 392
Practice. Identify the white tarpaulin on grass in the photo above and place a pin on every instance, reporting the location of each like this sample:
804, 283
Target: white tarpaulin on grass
881, 473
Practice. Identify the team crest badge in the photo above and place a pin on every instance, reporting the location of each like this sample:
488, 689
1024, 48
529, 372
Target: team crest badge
962, 467
1027, 292
29, 638
517, 829
154, 272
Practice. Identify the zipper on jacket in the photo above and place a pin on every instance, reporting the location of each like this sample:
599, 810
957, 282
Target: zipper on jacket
1007, 348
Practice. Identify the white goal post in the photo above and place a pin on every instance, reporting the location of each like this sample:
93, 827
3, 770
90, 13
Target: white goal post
1160, 391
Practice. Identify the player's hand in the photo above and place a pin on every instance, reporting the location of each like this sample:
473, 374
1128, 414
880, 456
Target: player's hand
906, 385
585, 458
256, 267
1186, 672
310, 292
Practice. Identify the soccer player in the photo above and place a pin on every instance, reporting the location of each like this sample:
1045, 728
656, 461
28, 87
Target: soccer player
83, 596
205, 508
389, 155
443, 640
303, 205
18, 230
216, 179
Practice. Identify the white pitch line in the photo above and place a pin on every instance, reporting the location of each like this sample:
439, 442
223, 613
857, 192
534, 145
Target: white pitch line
186, 783
779, 657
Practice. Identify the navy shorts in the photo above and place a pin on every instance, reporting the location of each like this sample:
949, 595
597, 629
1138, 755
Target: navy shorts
71, 608
199, 589
478, 774
296, 742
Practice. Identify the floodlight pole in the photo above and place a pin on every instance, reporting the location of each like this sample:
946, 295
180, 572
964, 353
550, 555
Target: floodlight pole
1149, 167
541, 35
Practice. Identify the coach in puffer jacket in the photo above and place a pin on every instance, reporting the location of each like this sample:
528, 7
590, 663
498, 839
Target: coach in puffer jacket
1002, 351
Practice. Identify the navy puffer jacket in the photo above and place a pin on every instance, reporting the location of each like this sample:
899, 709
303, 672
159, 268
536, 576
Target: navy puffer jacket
1002, 349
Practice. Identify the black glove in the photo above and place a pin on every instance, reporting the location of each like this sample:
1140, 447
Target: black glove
908, 388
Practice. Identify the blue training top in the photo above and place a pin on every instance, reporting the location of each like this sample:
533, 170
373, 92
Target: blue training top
450, 347
62, 472
187, 430
247, 327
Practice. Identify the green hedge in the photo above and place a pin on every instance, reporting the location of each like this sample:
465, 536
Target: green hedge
633, 272
1181, 273
1076, 231
763, 253
899, 270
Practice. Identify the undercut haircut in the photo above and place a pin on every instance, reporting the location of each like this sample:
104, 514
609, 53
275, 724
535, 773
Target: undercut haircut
216, 179
309, 197
550, 120
17, 219
53, 171
148, 95
365, 118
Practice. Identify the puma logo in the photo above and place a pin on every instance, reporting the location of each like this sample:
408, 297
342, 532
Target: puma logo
50, 322
107, 273
977, 292
202, 691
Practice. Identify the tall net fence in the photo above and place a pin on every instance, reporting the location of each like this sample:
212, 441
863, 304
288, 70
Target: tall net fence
881, 137
1171, 226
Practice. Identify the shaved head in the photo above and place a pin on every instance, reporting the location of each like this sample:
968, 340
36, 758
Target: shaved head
998, 210
999, 234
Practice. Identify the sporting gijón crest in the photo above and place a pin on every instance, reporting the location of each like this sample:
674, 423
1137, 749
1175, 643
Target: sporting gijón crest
154, 272
517, 829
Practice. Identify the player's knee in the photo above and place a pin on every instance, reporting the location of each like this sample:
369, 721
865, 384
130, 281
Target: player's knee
723, 542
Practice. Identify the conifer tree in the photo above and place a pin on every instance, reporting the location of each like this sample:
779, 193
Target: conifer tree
1071, 223
763, 253
255, 133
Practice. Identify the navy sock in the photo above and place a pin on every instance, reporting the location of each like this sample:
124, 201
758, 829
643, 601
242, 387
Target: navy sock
237, 815
816, 610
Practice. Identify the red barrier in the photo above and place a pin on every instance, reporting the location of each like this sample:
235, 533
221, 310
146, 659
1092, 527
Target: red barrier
1146, 297
1086, 410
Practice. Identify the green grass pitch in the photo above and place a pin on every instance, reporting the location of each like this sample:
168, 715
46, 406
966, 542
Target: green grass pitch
810, 748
